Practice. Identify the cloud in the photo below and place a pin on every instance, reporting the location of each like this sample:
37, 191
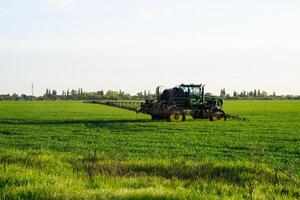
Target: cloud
60, 3
153, 12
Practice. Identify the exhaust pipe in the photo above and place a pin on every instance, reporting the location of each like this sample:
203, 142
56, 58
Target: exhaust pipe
202, 94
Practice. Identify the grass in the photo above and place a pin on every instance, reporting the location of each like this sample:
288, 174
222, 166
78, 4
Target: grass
47, 151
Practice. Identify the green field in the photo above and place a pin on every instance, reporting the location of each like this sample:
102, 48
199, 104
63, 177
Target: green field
47, 151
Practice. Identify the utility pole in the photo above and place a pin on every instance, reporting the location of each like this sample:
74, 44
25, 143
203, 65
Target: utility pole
31, 91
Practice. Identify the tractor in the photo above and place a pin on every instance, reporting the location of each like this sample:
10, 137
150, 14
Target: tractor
176, 103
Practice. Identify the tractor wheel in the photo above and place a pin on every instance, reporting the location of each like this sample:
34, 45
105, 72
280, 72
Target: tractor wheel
217, 115
176, 117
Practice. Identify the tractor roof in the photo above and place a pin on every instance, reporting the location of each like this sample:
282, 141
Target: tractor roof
191, 85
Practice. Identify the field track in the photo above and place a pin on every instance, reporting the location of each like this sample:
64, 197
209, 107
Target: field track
68, 149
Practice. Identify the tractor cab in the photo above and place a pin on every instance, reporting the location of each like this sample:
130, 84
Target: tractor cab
185, 96
191, 91
196, 98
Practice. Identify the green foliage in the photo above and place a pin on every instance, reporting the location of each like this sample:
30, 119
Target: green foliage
47, 150
256, 95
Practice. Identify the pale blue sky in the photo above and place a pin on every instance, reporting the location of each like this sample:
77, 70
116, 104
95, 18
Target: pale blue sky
135, 45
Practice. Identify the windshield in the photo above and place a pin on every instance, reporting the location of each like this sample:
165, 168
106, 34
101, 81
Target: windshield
190, 90
185, 89
195, 91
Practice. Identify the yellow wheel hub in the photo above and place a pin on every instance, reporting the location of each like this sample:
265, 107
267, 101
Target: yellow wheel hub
176, 117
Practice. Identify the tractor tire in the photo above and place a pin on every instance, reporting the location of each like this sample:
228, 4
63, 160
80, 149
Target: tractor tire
217, 115
176, 117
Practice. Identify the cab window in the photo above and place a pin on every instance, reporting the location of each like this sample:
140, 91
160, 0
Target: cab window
195, 91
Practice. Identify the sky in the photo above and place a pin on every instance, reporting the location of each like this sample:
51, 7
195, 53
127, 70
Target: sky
136, 45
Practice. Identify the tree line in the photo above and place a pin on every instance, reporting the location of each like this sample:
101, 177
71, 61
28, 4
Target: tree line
256, 94
79, 94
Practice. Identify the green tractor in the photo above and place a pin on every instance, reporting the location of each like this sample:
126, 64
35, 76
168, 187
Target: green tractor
176, 103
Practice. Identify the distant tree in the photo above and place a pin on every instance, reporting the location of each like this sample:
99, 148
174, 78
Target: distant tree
140, 95
15, 96
24, 97
127, 96
101, 93
48, 92
234, 94
264, 94
110, 94
241, 94
73, 92
121, 94
150, 96
54, 93
223, 92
